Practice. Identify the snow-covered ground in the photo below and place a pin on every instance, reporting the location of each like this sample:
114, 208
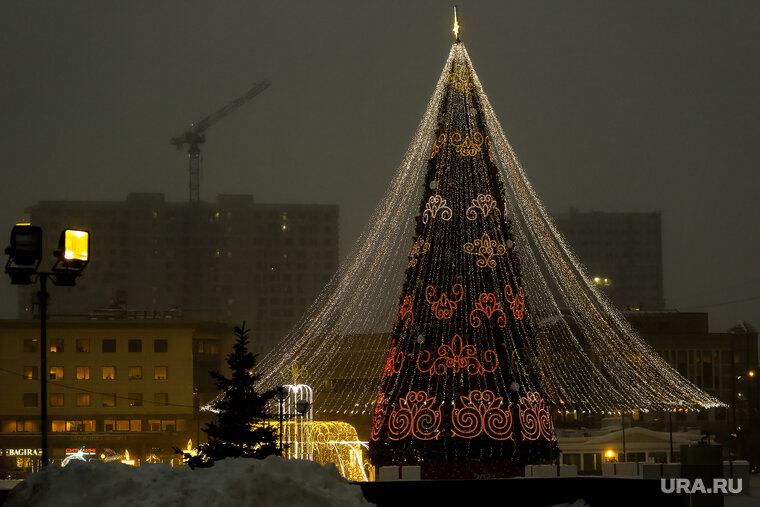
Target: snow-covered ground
232, 482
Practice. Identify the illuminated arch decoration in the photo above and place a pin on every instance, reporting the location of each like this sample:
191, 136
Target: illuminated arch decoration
419, 247
487, 305
394, 361
469, 147
441, 141
405, 313
486, 204
435, 204
443, 307
455, 357
535, 419
415, 416
516, 301
482, 412
328, 442
486, 249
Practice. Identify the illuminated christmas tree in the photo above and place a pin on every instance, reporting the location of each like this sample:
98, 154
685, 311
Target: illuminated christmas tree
498, 325
461, 381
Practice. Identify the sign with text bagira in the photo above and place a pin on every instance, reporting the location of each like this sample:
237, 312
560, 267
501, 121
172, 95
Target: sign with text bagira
21, 452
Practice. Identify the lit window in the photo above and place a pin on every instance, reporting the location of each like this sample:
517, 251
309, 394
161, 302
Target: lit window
74, 426
56, 345
58, 426
83, 373
168, 425
8, 427
83, 344
135, 425
154, 425
31, 426
109, 400
109, 425
109, 373
122, 425
31, 373
135, 399
134, 373
161, 399
160, 373
56, 399
83, 399
134, 345
56, 372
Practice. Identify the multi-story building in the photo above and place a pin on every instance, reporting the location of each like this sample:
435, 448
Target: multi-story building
622, 252
113, 386
228, 261
725, 365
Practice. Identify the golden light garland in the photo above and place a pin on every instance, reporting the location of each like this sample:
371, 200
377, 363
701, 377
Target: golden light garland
589, 357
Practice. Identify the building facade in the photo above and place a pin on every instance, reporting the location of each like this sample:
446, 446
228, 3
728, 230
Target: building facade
622, 253
227, 261
113, 387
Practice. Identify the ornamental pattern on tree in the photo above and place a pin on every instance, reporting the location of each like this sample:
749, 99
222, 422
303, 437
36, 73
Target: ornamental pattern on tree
488, 306
459, 382
535, 419
415, 416
486, 204
443, 307
486, 249
455, 357
482, 412
435, 204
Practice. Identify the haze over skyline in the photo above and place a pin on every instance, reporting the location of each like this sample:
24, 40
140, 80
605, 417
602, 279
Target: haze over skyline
650, 106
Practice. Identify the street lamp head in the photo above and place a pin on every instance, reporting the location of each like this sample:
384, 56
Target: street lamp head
73, 254
303, 406
281, 392
24, 253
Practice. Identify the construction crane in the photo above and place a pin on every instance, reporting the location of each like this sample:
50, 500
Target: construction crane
195, 136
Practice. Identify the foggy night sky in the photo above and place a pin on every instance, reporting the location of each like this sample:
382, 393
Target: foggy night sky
611, 106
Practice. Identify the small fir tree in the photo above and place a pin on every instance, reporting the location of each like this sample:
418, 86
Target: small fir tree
242, 429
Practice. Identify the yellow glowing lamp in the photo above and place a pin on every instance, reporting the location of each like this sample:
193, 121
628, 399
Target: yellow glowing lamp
76, 245
73, 251
456, 25
609, 454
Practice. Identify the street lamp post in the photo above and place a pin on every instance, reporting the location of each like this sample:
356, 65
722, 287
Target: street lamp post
281, 393
24, 257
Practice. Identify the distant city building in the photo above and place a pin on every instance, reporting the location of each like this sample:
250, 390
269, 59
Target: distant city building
724, 365
113, 386
622, 252
229, 260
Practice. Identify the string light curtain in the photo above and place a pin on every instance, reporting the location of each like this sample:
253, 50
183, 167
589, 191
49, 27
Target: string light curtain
581, 351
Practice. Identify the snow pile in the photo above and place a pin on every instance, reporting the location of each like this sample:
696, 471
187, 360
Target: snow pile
231, 482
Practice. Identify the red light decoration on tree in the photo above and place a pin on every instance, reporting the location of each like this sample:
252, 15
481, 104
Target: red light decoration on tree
487, 305
535, 419
405, 313
443, 307
482, 413
454, 357
415, 416
516, 301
